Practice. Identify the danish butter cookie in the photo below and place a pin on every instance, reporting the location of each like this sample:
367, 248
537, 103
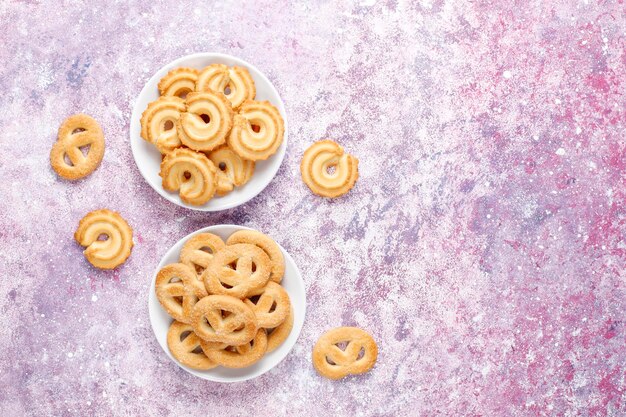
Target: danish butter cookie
277, 335
233, 170
258, 130
198, 251
190, 173
358, 356
207, 121
115, 249
76, 133
178, 82
172, 293
317, 165
236, 83
272, 306
159, 123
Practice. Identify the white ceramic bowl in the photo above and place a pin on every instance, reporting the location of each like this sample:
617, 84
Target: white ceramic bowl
293, 284
148, 158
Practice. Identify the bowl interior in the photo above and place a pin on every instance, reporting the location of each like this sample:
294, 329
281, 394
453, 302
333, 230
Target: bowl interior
148, 158
293, 284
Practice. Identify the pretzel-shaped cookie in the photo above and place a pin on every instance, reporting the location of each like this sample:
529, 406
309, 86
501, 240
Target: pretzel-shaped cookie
239, 356
190, 173
198, 251
334, 363
233, 171
185, 346
76, 132
236, 83
258, 130
207, 121
237, 270
158, 123
236, 327
109, 253
172, 293
272, 306
277, 335
319, 159
268, 245
178, 82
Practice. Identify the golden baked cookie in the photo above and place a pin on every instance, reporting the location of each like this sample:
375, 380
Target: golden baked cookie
258, 130
277, 335
178, 82
171, 290
185, 346
224, 319
198, 251
237, 270
268, 245
239, 356
271, 307
115, 249
159, 123
190, 173
77, 133
190, 299
358, 356
207, 121
317, 164
235, 83
232, 170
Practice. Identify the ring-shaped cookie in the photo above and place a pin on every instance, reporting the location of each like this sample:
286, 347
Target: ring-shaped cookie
271, 306
237, 270
236, 83
240, 356
172, 292
159, 123
109, 253
318, 162
184, 345
198, 251
77, 132
359, 355
271, 248
224, 319
232, 170
207, 121
190, 173
258, 130
178, 82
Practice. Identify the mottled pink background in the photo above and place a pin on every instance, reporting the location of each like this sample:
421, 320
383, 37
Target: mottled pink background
483, 245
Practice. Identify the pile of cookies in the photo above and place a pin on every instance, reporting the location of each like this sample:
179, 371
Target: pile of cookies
210, 130
226, 300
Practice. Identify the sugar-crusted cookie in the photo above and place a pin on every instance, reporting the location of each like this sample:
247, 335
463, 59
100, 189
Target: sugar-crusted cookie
317, 164
239, 356
185, 346
198, 251
224, 319
358, 356
77, 133
171, 290
237, 270
272, 306
115, 249
277, 335
268, 245
258, 130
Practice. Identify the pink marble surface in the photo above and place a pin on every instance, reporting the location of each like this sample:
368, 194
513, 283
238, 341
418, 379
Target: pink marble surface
483, 245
